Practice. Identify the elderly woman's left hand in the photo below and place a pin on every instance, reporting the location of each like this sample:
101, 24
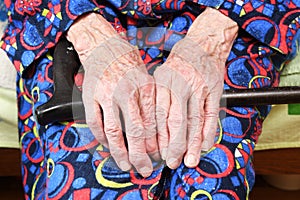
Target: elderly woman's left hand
189, 86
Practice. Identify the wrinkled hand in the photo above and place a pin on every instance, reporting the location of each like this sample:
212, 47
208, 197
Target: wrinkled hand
117, 82
189, 86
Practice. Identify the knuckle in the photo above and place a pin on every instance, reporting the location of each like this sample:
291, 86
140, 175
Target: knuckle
135, 130
177, 148
195, 140
151, 132
176, 121
161, 113
214, 113
113, 132
137, 159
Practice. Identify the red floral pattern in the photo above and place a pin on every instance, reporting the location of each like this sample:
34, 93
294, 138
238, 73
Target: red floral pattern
27, 6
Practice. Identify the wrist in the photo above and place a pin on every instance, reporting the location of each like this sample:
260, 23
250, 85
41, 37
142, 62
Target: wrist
88, 32
211, 22
213, 31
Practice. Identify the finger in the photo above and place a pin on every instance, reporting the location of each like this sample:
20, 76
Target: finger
93, 112
211, 114
147, 111
177, 126
194, 128
136, 135
115, 137
163, 102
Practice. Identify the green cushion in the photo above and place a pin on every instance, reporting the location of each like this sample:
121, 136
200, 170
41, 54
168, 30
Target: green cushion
294, 109
290, 75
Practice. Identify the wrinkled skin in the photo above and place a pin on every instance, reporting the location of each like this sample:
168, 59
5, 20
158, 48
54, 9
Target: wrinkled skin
189, 86
116, 80
188, 89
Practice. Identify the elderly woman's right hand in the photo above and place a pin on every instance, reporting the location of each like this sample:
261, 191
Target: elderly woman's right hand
117, 82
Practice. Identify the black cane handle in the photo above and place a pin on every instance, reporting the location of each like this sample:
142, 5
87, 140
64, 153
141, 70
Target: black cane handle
66, 97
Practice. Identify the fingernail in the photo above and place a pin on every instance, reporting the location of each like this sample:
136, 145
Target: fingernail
164, 153
125, 166
145, 171
172, 163
191, 161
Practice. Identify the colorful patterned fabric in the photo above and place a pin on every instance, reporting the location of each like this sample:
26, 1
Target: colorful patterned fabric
36, 26
3, 13
64, 161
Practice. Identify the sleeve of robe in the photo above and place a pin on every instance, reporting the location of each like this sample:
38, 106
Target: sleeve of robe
36, 25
